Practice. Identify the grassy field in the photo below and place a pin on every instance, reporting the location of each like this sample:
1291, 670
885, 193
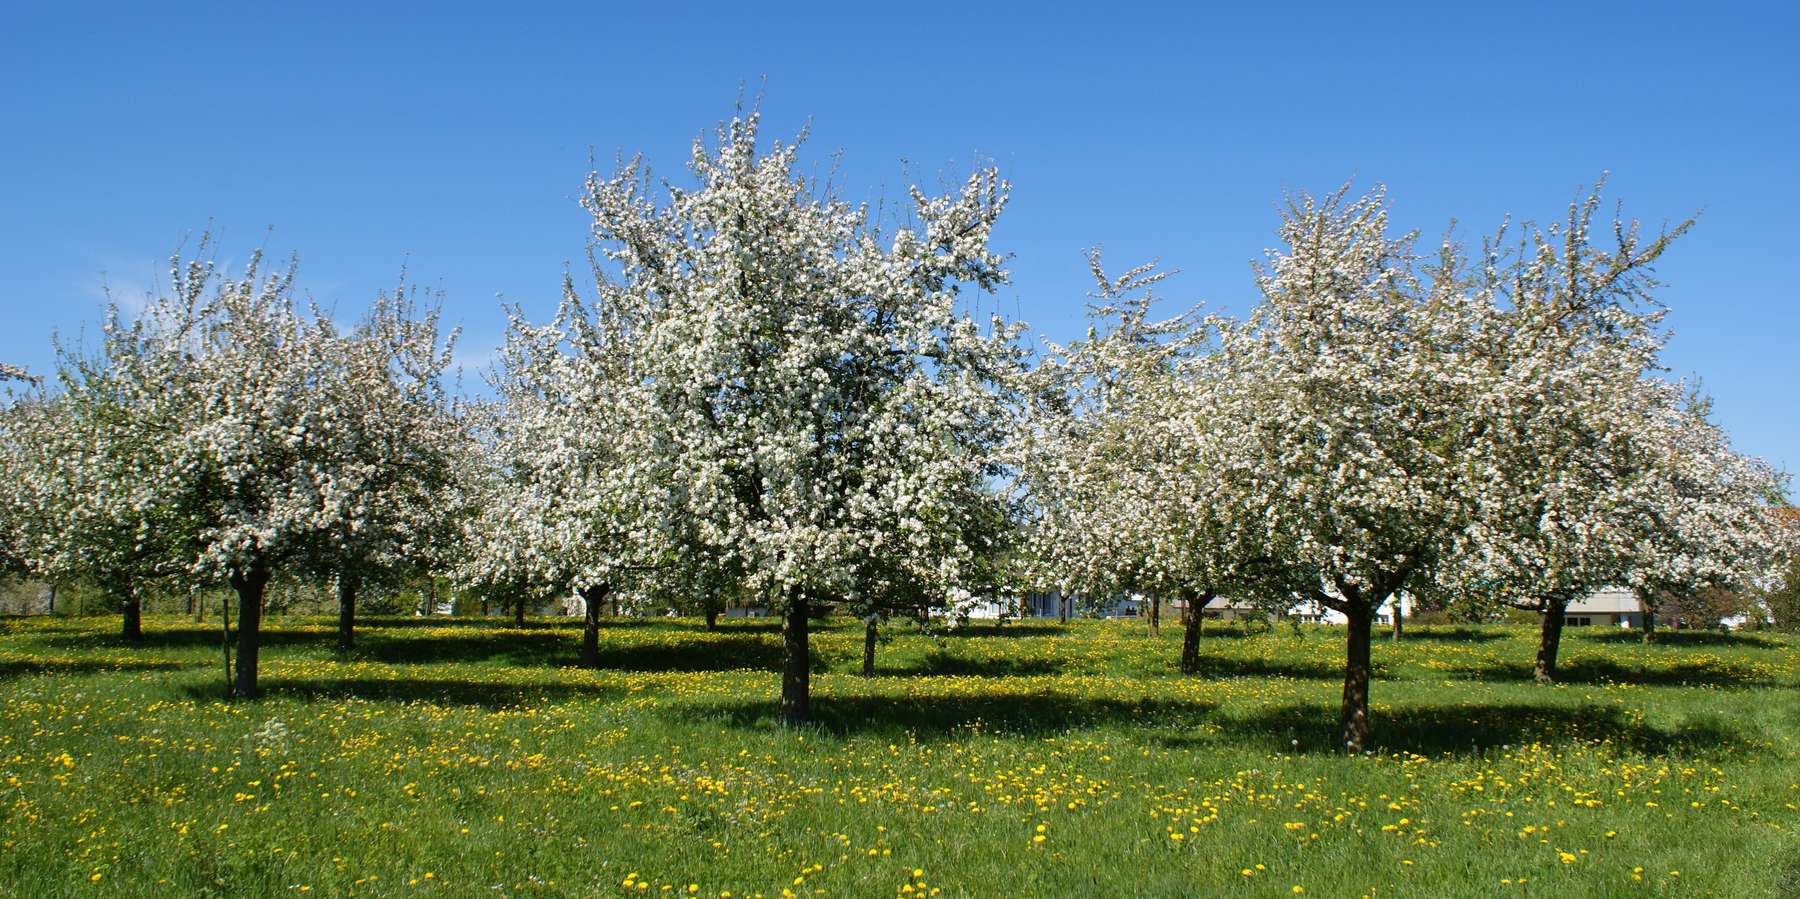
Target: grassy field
466, 758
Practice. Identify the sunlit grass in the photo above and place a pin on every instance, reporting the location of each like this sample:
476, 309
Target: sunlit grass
471, 758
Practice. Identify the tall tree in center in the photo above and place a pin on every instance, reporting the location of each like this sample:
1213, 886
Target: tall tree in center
823, 395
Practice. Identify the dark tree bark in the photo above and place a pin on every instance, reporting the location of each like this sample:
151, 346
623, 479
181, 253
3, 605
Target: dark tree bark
1398, 617
519, 612
1062, 608
1353, 719
712, 619
1550, 639
52, 609
1193, 619
796, 673
1156, 615
869, 623
133, 608
1649, 620
348, 582
249, 584
592, 598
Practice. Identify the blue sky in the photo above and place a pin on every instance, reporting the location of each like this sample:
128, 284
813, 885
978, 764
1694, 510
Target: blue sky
454, 140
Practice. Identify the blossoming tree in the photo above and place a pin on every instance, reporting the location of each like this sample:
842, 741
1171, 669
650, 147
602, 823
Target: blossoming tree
1583, 461
1346, 408
566, 490
1122, 464
821, 400
89, 464
384, 442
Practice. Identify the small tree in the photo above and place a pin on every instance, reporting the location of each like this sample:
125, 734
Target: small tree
1561, 470
93, 500
566, 494
1121, 462
386, 442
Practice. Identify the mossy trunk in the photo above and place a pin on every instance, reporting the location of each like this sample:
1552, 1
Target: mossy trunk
1550, 640
132, 609
347, 584
868, 666
249, 583
796, 675
592, 599
1193, 619
1353, 718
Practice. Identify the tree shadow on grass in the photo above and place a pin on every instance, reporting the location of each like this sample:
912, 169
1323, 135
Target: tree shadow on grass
530, 648
14, 669
486, 694
940, 663
1254, 666
1468, 729
1592, 670
937, 717
1675, 638
162, 637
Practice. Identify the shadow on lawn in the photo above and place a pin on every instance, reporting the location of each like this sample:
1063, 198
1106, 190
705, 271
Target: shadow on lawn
1309, 729
1435, 730
940, 717
485, 694
1678, 638
1254, 666
14, 669
1592, 670
940, 663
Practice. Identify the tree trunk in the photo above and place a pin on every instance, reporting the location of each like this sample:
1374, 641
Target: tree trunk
133, 607
249, 586
225, 639
1062, 608
1193, 619
1398, 617
592, 598
1156, 615
1353, 720
1649, 621
869, 624
519, 613
52, 600
346, 590
712, 619
796, 673
1550, 640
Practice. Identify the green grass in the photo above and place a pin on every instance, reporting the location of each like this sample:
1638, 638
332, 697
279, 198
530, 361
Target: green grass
464, 758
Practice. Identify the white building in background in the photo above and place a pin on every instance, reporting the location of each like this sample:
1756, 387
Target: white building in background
1613, 606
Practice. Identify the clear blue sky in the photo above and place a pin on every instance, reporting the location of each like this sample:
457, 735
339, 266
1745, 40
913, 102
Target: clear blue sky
454, 141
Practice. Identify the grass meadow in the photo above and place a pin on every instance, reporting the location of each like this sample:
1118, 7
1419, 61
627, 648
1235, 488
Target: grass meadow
462, 757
